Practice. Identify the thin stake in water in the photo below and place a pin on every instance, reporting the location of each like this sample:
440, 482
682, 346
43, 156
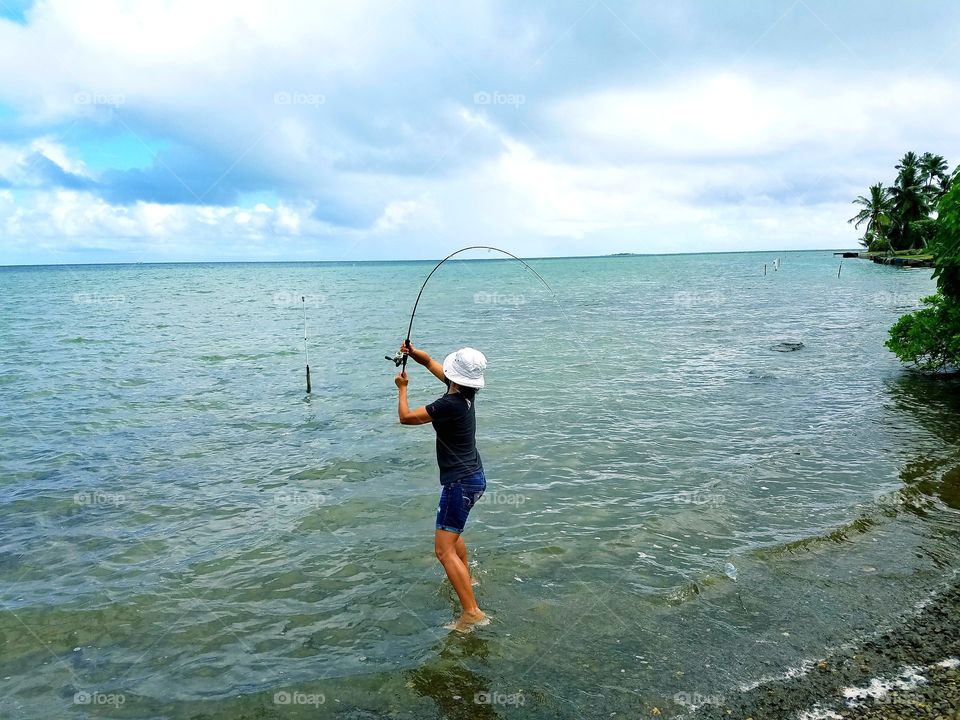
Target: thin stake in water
306, 357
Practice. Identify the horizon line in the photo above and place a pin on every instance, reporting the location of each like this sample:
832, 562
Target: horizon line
410, 260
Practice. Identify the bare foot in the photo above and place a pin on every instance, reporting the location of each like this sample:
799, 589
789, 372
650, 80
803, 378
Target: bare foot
468, 620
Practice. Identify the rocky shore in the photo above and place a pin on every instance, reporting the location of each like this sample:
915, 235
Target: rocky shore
911, 672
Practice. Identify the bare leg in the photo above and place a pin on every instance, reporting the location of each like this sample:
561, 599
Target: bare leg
461, 547
445, 546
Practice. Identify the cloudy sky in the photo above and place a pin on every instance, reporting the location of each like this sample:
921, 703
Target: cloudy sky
288, 130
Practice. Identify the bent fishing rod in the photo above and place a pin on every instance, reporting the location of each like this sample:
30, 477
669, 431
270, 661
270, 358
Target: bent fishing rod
401, 357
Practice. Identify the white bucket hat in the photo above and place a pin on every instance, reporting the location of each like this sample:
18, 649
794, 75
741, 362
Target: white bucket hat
465, 367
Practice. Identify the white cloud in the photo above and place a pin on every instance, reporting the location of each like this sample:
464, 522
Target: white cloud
400, 213
80, 215
23, 163
389, 151
727, 115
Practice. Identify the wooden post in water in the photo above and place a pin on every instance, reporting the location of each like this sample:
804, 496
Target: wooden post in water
764, 269
306, 356
840, 268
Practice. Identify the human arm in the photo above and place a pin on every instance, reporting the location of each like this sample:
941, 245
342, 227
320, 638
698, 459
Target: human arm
423, 358
420, 416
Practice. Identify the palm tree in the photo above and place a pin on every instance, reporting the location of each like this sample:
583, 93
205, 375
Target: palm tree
932, 167
909, 159
933, 170
875, 211
946, 182
910, 202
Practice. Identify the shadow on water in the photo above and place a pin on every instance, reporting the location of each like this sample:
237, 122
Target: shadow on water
934, 403
461, 693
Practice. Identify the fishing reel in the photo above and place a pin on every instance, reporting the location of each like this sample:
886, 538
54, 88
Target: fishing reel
397, 359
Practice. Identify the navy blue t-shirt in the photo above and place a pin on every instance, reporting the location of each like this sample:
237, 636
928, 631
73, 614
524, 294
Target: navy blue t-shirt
455, 421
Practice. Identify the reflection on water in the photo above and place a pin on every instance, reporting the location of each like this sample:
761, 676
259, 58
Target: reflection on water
934, 403
451, 678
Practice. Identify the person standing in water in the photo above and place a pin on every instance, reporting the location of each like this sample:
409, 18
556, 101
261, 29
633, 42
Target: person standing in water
453, 415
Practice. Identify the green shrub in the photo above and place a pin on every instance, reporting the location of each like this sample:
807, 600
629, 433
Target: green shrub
929, 338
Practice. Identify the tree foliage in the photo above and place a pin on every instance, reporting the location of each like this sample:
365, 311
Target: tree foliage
897, 216
929, 338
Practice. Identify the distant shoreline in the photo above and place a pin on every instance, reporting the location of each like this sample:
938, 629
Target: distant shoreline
415, 260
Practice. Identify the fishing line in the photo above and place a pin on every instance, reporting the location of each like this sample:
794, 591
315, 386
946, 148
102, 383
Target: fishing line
306, 357
401, 358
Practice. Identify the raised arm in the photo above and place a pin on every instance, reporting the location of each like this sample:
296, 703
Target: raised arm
423, 358
420, 416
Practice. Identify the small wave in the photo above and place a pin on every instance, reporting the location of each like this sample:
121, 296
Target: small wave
841, 534
887, 506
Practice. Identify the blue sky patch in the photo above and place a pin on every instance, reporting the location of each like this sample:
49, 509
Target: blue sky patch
15, 10
124, 151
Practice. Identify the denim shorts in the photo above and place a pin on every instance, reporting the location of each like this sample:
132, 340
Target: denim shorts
456, 501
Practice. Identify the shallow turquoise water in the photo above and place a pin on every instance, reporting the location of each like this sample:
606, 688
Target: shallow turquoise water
183, 532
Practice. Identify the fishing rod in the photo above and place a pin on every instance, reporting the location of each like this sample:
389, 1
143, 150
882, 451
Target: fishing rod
306, 357
401, 357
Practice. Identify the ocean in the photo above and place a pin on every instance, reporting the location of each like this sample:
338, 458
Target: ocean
677, 508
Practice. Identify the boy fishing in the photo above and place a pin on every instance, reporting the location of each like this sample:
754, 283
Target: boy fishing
453, 415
